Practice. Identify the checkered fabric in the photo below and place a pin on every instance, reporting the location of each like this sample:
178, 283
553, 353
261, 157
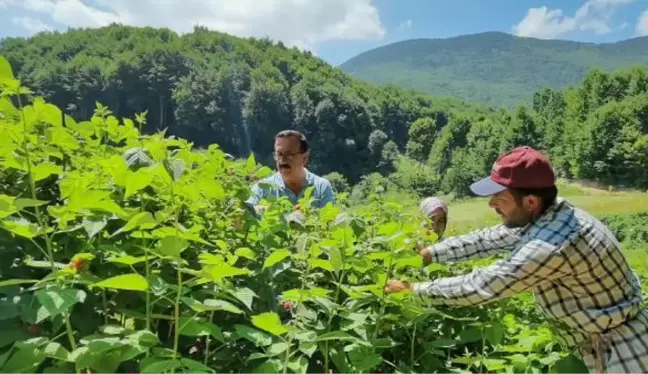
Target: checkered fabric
574, 266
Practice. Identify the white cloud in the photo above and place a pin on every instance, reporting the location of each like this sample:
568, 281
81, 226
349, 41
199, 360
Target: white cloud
303, 23
642, 24
32, 25
545, 23
406, 25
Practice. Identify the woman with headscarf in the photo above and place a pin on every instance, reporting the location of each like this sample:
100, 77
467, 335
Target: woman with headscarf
436, 211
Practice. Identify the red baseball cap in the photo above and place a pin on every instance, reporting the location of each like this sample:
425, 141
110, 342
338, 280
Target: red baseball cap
523, 167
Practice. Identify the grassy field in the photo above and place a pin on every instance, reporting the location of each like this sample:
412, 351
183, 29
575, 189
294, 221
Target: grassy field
475, 213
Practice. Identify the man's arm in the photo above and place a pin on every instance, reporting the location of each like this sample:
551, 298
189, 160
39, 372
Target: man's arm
477, 244
256, 195
531, 265
327, 195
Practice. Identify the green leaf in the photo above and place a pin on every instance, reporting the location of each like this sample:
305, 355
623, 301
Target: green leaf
191, 327
21, 227
335, 257
28, 203
172, 246
5, 69
44, 170
224, 270
212, 305
337, 335
259, 338
298, 364
470, 334
275, 257
55, 301
61, 136
133, 282
143, 220
15, 282
161, 366
7, 206
93, 226
138, 181
195, 366
127, 260
245, 295
364, 358
269, 322
570, 364
494, 333
246, 253
24, 360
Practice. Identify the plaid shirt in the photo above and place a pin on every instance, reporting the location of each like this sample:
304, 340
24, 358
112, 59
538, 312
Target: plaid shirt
573, 264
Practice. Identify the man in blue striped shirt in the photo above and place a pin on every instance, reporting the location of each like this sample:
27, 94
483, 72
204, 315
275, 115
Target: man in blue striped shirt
291, 180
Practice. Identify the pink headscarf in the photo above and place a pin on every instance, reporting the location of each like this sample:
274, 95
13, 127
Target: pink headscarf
430, 204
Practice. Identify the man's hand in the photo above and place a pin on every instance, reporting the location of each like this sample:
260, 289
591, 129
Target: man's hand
427, 257
397, 286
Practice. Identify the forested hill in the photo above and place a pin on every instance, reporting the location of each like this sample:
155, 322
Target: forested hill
209, 87
493, 68
212, 88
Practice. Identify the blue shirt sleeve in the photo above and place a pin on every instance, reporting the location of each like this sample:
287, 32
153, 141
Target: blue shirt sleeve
327, 195
255, 196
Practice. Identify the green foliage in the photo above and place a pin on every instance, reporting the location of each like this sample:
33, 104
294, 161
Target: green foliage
493, 68
212, 88
125, 252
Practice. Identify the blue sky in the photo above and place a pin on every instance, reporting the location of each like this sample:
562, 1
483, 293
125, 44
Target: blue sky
337, 30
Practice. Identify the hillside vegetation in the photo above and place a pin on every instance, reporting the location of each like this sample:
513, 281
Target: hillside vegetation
125, 252
212, 88
493, 68
209, 87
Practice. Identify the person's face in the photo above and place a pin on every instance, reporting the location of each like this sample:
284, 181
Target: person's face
438, 221
289, 158
514, 213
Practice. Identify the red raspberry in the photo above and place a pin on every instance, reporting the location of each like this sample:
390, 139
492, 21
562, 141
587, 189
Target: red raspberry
287, 305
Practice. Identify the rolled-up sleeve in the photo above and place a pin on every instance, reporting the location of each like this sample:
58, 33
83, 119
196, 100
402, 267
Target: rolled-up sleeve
534, 263
478, 244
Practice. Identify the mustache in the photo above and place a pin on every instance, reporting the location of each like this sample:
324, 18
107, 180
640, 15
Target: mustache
285, 166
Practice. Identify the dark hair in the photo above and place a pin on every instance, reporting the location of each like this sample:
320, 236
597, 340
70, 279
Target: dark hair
547, 195
303, 143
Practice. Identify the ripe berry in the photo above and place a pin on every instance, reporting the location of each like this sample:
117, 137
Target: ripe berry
77, 263
33, 329
287, 305
297, 207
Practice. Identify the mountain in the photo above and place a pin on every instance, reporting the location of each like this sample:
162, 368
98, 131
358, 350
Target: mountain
493, 68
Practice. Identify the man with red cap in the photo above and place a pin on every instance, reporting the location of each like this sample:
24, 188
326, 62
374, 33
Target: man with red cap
570, 261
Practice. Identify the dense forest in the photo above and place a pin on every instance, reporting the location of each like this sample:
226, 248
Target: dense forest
212, 88
493, 68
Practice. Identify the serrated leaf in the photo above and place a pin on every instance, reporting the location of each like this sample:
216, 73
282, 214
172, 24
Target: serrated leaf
276, 257
161, 366
269, 322
133, 282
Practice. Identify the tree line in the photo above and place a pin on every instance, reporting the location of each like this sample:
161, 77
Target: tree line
213, 88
